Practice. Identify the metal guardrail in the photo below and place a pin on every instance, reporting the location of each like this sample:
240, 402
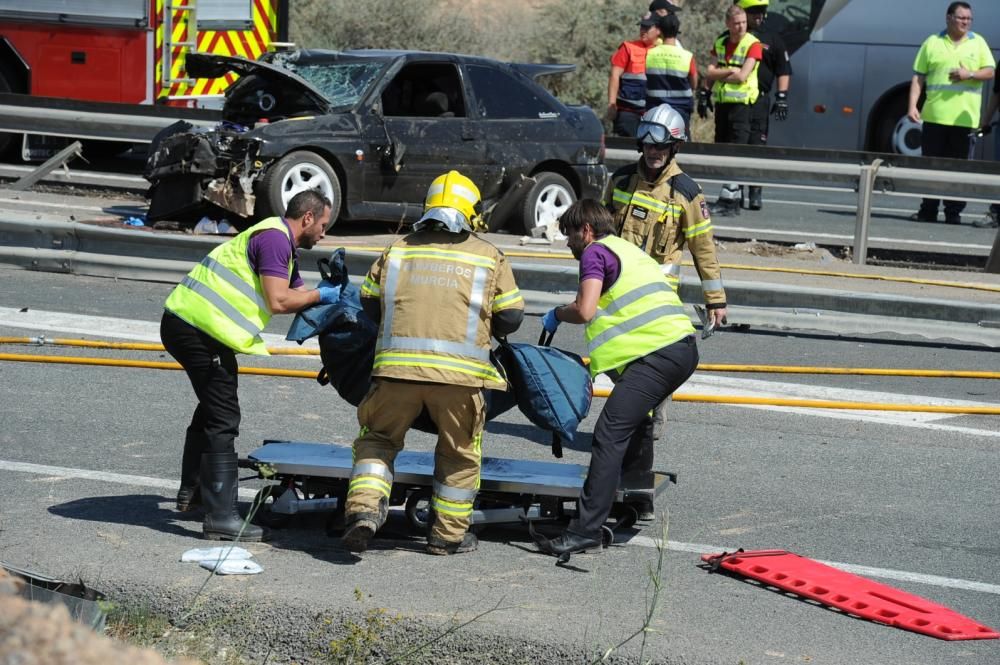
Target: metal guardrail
85, 249
861, 172
951, 178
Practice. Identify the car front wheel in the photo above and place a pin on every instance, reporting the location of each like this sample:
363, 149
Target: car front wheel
296, 172
546, 201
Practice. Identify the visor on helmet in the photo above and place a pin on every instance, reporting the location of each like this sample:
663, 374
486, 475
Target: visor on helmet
654, 132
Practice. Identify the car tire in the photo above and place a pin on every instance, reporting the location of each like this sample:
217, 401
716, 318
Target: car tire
296, 172
547, 199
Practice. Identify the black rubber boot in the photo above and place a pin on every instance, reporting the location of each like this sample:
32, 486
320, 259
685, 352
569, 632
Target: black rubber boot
219, 479
362, 526
756, 198
189, 494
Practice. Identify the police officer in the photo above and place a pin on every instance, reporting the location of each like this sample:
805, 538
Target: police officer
439, 294
660, 209
638, 333
736, 56
217, 311
775, 70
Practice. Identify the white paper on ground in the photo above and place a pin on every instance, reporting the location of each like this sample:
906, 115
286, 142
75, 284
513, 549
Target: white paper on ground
224, 553
231, 567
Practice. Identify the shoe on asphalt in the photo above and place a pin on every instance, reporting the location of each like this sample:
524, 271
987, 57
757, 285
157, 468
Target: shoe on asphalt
358, 533
989, 221
568, 543
917, 217
723, 209
756, 199
438, 547
188, 498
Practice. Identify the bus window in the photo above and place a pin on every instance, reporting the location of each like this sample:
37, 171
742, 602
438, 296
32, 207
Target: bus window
793, 20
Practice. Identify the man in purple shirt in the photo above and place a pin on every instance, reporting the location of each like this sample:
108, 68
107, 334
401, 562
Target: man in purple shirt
218, 310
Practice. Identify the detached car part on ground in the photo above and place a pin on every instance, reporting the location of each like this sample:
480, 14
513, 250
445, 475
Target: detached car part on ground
371, 130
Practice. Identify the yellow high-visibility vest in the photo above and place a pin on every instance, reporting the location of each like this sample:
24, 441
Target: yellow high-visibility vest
736, 93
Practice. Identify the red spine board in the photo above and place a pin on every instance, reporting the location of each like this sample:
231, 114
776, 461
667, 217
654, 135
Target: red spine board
851, 593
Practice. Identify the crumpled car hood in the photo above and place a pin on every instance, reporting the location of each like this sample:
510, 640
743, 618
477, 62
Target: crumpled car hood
208, 65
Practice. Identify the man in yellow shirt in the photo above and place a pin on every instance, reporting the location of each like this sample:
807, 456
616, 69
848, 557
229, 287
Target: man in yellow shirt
950, 68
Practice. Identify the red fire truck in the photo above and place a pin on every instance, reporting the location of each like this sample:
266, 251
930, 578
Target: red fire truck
128, 51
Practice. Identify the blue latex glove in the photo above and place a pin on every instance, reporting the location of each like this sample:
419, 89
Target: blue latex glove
549, 321
329, 294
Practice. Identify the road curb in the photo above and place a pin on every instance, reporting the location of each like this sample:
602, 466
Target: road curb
86, 249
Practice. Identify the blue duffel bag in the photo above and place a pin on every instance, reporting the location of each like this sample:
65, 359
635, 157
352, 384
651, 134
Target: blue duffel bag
552, 387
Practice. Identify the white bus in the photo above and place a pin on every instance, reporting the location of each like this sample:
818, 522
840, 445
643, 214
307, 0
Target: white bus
852, 61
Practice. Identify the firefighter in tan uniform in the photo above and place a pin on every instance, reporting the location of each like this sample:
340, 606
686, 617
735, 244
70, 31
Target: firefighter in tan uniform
438, 294
660, 209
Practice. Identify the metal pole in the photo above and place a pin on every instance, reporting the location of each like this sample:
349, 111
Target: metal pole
866, 182
993, 263
74, 149
863, 216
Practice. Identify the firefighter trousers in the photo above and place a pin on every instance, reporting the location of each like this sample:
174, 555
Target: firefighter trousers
385, 415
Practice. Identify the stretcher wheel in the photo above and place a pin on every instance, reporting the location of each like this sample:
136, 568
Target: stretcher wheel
263, 503
418, 508
625, 516
607, 536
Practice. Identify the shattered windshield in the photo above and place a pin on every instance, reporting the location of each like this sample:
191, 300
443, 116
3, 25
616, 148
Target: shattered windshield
344, 83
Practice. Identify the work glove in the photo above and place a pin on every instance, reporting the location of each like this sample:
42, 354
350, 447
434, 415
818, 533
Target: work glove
704, 103
329, 294
780, 107
549, 321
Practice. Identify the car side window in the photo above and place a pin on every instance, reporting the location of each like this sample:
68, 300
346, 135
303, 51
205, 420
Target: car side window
425, 90
500, 95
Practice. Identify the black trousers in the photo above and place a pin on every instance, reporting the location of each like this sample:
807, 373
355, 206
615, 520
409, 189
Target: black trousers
623, 436
211, 366
943, 141
732, 123
626, 123
760, 119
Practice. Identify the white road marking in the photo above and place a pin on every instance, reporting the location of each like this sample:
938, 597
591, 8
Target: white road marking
49, 204
104, 326
641, 541
866, 571
148, 331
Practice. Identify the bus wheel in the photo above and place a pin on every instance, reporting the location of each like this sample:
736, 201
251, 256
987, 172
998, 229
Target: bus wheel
895, 132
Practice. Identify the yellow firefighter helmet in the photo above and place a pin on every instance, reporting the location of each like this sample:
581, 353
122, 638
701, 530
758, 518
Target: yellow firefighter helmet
750, 4
453, 200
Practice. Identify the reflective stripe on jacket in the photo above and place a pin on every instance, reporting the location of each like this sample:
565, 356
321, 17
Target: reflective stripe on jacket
663, 217
668, 71
222, 296
736, 93
437, 301
637, 315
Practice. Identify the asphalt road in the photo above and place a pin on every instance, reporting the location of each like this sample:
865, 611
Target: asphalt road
912, 498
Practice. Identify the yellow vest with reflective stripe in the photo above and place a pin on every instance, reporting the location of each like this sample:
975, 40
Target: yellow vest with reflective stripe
736, 93
437, 305
638, 314
951, 103
222, 296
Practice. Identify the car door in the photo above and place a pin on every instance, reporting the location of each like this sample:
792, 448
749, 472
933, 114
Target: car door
425, 124
521, 125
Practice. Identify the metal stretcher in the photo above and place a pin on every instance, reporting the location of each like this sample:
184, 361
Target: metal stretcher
313, 477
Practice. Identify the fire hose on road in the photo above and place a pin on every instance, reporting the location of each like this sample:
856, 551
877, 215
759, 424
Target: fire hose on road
598, 392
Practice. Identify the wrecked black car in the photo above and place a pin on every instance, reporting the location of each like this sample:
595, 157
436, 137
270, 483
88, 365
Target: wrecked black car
371, 129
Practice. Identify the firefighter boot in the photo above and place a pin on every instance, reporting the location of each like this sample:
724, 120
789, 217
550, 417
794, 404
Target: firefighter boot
469, 543
756, 198
189, 494
362, 526
728, 203
219, 477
